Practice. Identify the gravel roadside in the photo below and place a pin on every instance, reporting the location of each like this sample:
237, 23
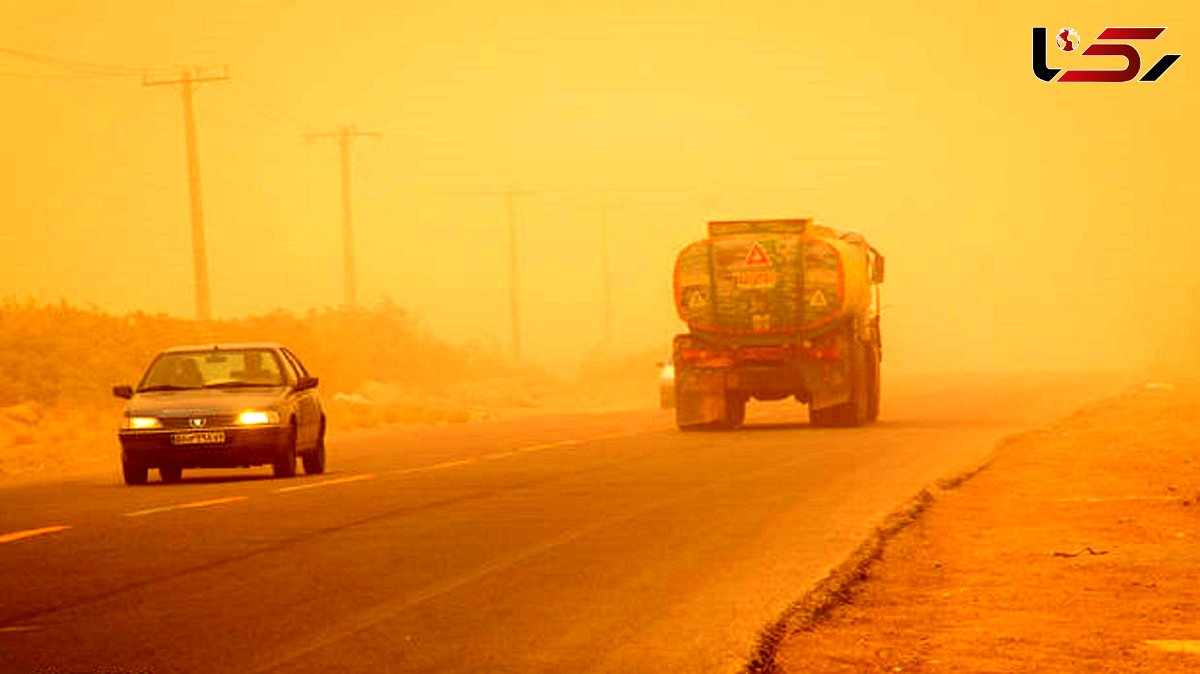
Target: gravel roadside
1077, 548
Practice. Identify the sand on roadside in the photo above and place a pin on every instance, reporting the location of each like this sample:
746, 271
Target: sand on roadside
1076, 549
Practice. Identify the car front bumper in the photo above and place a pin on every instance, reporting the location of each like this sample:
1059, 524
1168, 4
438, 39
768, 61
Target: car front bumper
242, 447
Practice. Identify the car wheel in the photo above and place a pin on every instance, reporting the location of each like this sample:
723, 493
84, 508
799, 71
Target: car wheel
314, 459
285, 465
170, 474
134, 473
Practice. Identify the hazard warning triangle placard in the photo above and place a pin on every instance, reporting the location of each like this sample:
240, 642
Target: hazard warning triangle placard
757, 257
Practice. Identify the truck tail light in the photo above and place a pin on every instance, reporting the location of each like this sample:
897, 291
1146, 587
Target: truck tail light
704, 357
770, 354
829, 353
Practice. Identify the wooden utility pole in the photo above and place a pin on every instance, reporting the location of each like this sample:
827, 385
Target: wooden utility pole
345, 136
513, 291
606, 275
189, 79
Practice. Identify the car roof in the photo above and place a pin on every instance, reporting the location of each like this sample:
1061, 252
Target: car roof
228, 346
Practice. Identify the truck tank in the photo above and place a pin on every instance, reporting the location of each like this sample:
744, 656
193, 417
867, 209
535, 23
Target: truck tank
771, 278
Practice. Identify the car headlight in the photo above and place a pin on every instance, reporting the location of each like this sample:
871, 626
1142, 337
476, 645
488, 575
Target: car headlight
141, 423
668, 372
258, 417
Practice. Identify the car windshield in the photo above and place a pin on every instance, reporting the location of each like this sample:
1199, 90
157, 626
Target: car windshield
213, 369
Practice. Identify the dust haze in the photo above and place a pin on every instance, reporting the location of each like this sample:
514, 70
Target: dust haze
1026, 225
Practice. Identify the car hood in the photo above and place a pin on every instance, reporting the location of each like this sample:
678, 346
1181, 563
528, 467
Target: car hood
204, 400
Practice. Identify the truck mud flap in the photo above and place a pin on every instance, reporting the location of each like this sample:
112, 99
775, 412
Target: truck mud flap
828, 388
700, 397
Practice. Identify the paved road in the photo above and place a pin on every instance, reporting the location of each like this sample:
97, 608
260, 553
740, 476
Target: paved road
566, 543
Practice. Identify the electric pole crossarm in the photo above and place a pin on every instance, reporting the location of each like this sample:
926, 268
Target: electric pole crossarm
339, 134
190, 76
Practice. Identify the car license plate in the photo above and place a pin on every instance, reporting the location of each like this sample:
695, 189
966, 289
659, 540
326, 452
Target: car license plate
198, 438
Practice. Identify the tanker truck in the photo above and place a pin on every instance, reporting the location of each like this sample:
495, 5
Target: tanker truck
777, 308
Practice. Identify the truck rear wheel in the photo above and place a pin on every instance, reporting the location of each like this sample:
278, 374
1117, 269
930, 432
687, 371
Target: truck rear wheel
825, 418
735, 410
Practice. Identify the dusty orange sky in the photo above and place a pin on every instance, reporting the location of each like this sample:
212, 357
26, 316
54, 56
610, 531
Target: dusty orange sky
1026, 224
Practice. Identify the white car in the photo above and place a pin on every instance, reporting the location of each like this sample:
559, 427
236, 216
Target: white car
222, 406
666, 385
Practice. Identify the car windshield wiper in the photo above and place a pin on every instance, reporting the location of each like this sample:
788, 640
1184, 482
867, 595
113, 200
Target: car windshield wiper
235, 384
166, 387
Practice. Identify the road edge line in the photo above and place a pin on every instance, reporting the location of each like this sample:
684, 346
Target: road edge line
835, 588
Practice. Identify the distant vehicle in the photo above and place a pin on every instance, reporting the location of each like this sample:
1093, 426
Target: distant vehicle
777, 308
222, 406
666, 385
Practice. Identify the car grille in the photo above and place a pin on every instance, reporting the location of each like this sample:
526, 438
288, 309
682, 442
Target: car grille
209, 421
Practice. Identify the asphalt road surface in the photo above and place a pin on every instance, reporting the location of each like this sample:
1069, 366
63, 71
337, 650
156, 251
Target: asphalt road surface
566, 543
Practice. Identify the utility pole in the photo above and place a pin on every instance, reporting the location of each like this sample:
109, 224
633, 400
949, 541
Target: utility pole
345, 136
187, 81
513, 290
510, 196
514, 287
606, 275
514, 295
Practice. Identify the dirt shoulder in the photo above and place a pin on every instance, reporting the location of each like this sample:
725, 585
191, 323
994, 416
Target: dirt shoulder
1077, 548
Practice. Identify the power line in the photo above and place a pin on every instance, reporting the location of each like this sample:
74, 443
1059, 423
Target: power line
81, 68
265, 109
60, 76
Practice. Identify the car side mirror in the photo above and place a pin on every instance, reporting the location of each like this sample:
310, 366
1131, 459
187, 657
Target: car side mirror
306, 383
123, 391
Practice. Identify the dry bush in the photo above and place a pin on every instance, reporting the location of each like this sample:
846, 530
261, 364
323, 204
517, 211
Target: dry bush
62, 353
378, 367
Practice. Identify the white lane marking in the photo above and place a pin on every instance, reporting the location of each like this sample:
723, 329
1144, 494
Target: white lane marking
1176, 645
448, 464
436, 466
542, 446
18, 535
183, 506
560, 443
326, 483
19, 628
1093, 499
